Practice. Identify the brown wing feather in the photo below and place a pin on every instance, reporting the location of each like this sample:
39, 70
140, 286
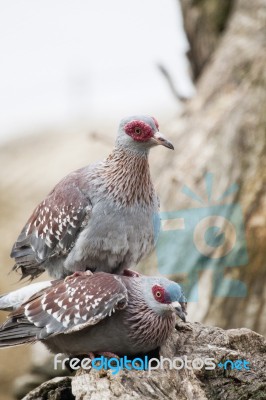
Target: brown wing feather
68, 305
53, 227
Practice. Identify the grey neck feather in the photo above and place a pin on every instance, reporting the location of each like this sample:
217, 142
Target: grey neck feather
146, 325
122, 167
136, 149
126, 143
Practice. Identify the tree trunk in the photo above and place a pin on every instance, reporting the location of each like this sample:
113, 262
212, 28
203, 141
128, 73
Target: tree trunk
221, 131
189, 342
204, 22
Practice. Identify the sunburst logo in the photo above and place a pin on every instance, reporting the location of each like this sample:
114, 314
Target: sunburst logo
211, 235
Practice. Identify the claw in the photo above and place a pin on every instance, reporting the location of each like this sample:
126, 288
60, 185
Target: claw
78, 273
103, 353
130, 273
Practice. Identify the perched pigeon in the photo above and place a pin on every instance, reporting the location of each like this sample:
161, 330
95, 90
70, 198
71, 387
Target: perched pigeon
101, 217
98, 313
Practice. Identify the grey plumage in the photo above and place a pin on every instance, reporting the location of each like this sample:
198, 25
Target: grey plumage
100, 217
98, 313
11, 301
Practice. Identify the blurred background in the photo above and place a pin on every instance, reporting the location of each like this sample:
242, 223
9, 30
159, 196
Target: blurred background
71, 70
64, 62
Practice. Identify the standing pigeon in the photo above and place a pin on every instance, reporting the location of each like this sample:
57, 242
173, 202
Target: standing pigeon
97, 313
100, 217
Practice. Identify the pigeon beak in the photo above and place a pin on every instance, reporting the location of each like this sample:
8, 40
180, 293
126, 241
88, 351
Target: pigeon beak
179, 311
159, 138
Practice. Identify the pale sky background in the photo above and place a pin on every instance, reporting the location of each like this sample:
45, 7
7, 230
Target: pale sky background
62, 60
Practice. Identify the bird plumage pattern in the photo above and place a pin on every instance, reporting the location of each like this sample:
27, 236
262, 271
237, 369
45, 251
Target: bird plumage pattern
97, 313
103, 217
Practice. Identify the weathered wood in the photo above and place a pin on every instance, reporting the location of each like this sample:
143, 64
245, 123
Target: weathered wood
223, 131
193, 341
55, 389
204, 22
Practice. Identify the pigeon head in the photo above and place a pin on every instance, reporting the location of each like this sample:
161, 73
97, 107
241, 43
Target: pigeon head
140, 133
164, 296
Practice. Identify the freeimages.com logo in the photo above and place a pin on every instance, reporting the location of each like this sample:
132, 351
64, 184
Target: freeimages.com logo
211, 235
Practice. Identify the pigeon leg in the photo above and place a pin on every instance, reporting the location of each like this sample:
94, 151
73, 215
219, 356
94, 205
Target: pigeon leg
78, 273
108, 354
131, 273
103, 353
91, 355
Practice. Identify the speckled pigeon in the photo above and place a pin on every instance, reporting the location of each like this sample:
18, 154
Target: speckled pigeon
100, 217
97, 313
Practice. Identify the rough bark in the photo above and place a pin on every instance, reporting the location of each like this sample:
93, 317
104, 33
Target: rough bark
204, 22
55, 389
223, 131
193, 341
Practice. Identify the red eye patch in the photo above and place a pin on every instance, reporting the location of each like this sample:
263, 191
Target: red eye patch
139, 131
159, 294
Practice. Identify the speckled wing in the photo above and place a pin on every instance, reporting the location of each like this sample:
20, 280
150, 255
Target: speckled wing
79, 301
53, 227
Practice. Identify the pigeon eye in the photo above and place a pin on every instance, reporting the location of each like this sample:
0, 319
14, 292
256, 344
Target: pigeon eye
158, 294
137, 130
